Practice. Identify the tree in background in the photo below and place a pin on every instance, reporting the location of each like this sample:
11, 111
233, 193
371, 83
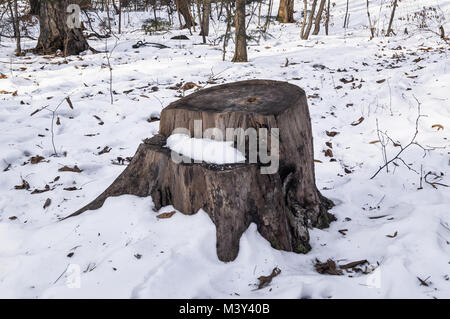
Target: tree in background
286, 11
55, 33
240, 52
183, 9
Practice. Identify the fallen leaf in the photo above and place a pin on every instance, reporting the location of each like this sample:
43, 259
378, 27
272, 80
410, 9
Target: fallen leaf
106, 149
36, 159
353, 264
423, 282
266, 280
328, 267
69, 102
74, 169
332, 133
166, 215
189, 85
73, 188
381, 81
38, 191
392, 236
47, 203
328, 153
359, 121
438, 126
24, 185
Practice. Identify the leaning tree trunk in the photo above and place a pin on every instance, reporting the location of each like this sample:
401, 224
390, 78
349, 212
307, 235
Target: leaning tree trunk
307, 31
240, 52
55, 31
283, 204
389, 30
286, 11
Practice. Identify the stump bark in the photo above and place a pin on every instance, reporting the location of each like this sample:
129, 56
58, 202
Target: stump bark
284, 205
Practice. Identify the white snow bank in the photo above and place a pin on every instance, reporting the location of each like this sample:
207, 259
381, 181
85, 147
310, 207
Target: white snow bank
205, 149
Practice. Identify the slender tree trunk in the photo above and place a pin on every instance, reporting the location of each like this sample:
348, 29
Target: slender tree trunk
17, 27
227, 32
310, 21
108, 16
318, 18
346, 16
240, 52
206, 15
286, 11
55, 31
200, 21
305, 11
372, 30
389, 30
269, 12
120, 16
327, 21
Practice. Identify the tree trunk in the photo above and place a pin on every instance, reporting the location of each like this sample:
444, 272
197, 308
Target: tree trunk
327, 21
55, 32
34, 7
318, 18
286, 11
206, 15
305, 35
17, 28
240, 52
183, 8
283, 204
200, 20
372, 29
269, 13
389, 30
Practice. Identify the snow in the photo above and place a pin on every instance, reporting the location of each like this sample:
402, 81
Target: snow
204, 149
123, 251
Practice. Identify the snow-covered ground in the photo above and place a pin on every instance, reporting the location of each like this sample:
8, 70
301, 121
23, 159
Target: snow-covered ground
122, 250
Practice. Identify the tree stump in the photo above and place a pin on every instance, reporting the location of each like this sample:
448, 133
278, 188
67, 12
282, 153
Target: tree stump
283, 204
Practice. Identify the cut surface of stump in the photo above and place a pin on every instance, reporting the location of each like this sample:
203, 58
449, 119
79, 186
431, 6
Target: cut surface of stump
284, 204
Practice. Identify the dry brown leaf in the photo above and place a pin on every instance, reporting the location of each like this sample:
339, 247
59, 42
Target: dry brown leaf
353, 264
74, 169
24, 185
328, 267
332, 133
438, 126
47, 203
266, 280
69, 102
36, 159
359, 121
73, 188
166, 215
392, 236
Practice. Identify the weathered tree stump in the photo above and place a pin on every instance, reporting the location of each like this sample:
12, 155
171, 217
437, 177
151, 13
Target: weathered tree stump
283, 205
